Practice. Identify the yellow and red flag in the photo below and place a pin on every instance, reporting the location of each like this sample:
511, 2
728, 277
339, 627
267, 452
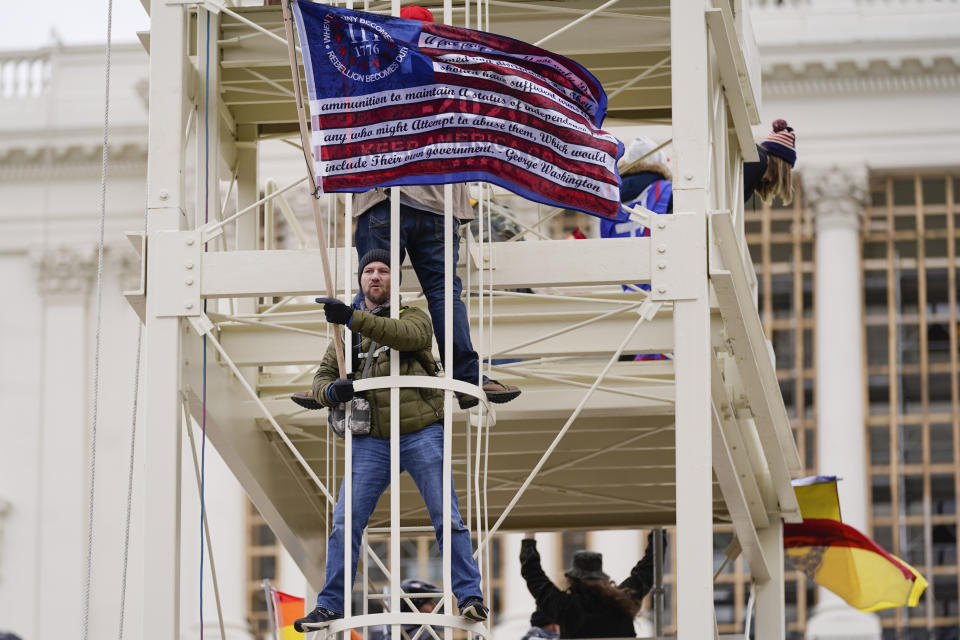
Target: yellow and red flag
286, 609
840, 558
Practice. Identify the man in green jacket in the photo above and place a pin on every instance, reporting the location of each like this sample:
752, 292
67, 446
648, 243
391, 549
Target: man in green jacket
421, 434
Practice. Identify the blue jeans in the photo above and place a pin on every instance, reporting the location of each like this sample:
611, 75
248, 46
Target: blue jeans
421, 234
421, 455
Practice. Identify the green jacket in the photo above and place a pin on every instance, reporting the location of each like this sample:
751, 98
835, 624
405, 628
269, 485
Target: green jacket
412, 336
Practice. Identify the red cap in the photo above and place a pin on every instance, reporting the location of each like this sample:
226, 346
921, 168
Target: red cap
414, 12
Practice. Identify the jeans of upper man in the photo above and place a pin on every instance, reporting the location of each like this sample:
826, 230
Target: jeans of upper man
421, 234
421, 455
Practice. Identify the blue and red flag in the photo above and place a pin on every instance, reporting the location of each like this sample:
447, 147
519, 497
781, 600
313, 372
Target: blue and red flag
403, 102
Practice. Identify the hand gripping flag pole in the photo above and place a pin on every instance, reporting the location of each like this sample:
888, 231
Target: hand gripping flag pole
305, 143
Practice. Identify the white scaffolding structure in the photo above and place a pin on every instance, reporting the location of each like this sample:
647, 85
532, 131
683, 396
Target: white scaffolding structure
700, 439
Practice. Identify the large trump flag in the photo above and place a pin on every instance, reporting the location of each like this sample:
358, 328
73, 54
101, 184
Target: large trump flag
403, 102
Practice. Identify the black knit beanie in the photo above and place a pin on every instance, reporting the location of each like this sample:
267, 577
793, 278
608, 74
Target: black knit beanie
374, 255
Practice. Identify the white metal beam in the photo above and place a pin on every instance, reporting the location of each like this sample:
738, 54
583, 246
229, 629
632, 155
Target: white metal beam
271, 345
689, 66
165, 202
771, 609
745, 474
733, 496
733, 75
515, 265
749, 348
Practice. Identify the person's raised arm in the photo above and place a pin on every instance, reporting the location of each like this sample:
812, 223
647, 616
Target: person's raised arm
550, 600
640, 581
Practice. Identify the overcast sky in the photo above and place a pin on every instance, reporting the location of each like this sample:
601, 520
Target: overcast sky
28, 25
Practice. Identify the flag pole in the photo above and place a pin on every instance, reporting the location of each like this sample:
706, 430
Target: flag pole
305, 143
271, 610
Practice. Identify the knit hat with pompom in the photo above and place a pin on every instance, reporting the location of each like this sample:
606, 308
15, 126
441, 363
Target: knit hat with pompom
782, 142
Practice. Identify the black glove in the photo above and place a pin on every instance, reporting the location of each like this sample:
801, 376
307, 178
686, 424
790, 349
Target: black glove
340, 391
336, 311
528, 551
647, 559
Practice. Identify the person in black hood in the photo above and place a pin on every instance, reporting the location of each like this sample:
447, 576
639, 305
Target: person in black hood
592, 606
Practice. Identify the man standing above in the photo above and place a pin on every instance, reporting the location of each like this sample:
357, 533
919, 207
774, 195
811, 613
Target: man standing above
421, 435
421, 234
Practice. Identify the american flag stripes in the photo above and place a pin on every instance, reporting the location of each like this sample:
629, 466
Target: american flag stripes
400, 102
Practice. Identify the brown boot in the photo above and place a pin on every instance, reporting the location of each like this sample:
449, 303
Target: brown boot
496, 392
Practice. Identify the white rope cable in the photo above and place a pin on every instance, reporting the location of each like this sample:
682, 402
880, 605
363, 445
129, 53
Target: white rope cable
481, 409
133, 443
486, 520
487, 561
750, 603
41, 382
99, 312
205, 524
553, 445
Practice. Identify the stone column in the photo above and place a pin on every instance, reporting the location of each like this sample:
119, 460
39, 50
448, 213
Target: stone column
65, 278
836, 197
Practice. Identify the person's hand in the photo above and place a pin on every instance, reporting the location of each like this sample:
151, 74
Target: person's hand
648, 553
336, 311
528, 550
340, 391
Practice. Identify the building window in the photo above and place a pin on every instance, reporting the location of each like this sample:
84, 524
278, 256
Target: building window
910, 249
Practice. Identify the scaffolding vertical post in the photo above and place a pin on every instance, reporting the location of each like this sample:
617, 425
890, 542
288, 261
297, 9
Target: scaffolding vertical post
694, 494
771, 613
165, 213
658, 582
364, 555
395, 406
247, 192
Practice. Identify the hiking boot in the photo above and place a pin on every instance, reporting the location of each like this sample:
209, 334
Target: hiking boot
473, 609
306, 400
317, 616
496, 392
